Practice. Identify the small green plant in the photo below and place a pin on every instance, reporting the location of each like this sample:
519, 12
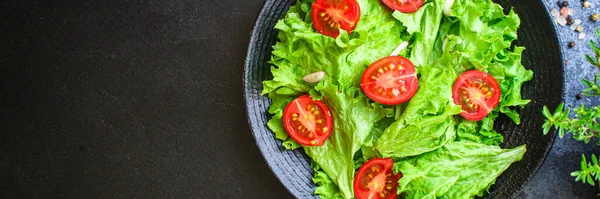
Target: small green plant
584, 126
586, 123
590, 171
596, 49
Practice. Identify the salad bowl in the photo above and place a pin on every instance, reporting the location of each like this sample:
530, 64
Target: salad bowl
542, 55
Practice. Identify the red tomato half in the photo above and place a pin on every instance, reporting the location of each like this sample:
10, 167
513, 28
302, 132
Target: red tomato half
404, 5
477, 92
307, 121
328, 16
390, 80
376, 180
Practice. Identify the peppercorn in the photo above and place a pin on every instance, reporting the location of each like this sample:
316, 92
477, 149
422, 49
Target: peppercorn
586, 4
595, 17
579, 28
570, 20
571, 44
579, 96
564, 4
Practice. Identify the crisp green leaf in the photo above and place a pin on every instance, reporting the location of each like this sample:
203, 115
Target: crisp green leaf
457, 170
427, 122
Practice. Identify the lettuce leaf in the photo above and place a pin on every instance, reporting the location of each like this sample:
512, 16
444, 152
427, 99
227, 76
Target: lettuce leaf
427, 123
336, 156
423, 25
301, 50
478, 35
457, 170
326, 188
487, 34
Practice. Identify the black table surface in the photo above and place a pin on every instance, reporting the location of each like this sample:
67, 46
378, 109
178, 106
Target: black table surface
143, 99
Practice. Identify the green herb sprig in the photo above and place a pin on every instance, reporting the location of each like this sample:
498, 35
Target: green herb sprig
593, 87
590, 171
596, 49
585, 125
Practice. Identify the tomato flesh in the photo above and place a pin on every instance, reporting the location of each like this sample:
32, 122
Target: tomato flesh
328, 16
478, 93
376, 180
308, 122
404, 5
390, 80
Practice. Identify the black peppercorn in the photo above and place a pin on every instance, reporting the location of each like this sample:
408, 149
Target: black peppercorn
579, 96
564, 4
571, 44
570, 20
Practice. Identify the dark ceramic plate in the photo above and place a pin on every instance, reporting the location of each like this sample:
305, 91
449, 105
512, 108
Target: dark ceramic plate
543, 56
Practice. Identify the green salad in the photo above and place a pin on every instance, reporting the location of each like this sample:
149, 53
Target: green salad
397, 98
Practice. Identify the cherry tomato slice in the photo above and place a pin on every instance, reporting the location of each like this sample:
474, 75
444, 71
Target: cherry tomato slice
477, 92
390, 80
404, 5
376, 180
308, 121
328, 16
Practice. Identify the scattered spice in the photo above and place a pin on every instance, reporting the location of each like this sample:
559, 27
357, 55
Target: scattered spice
582, 35
579, 96
564, 11
561, 20
567, 62
586, 4
579, 28
595, 17
571, 44
570, 20
577, 22
554, 13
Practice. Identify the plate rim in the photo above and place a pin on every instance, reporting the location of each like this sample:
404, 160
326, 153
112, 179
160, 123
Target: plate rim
252, 47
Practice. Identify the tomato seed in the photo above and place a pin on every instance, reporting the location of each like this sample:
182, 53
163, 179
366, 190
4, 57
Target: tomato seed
395, 92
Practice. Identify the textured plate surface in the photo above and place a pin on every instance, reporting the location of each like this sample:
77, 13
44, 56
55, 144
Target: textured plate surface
542, 55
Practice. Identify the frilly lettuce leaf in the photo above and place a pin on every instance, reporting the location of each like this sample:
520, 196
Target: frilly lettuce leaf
456, 170
478, 35
301, 50
427, 123
423, 25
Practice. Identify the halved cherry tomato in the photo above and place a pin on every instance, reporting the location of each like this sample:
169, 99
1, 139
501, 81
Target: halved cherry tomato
307, 121
477, 92
328, 16
376, 180
404, 5
390, 80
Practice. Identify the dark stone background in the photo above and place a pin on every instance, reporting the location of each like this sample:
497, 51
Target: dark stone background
143, 99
